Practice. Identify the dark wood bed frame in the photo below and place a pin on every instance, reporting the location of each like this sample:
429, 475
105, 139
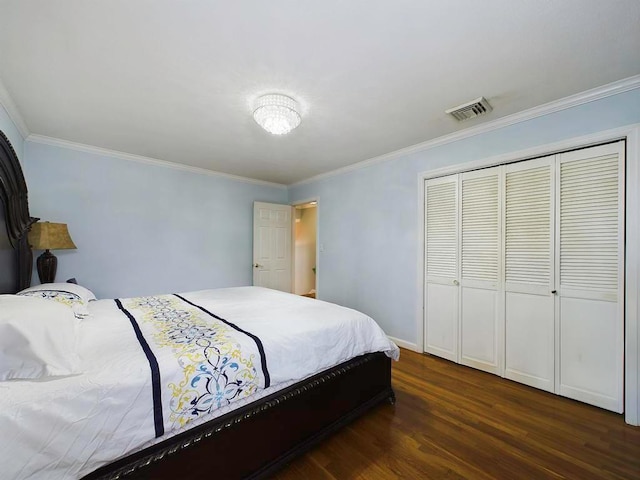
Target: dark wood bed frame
251, 442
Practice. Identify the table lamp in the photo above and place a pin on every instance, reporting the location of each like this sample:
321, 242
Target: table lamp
49, 236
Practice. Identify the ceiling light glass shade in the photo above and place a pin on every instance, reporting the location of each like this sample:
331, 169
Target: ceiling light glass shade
277, 114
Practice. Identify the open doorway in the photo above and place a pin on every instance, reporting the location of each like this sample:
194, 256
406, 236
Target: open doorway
305, 247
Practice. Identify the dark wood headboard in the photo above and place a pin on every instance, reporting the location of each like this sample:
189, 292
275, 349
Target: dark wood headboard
16, 260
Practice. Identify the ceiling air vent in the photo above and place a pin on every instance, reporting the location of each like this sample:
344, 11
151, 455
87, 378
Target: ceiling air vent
471, 109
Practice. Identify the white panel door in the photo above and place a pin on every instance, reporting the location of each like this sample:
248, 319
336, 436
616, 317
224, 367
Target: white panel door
272, 246
481, 314
529, 273
441, 267
589, 266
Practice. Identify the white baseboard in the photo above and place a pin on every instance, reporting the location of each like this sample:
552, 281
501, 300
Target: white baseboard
405, 344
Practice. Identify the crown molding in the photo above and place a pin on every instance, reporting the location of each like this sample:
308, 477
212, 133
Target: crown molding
587, 96
14, 114
81, 147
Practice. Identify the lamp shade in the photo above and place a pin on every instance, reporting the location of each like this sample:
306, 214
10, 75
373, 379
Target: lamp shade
50, 236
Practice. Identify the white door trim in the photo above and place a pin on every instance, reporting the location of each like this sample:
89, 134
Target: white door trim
632, 259
632, 280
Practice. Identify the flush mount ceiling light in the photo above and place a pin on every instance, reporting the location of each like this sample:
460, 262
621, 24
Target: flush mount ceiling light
277, 114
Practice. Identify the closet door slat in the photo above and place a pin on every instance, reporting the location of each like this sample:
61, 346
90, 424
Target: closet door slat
441, 235
528, 225
589, 223
480, 228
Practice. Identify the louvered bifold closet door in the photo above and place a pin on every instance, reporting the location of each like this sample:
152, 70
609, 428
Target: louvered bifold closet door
590, 260
481, 321
529, 272
441, 266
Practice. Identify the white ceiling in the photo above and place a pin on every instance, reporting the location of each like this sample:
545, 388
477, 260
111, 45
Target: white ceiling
174, 80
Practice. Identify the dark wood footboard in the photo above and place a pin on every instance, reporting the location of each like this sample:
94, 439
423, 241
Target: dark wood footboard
259, 438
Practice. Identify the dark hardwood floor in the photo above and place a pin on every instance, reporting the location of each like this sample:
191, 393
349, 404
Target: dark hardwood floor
453, 422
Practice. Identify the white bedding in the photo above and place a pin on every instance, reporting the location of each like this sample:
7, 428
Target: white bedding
66, 427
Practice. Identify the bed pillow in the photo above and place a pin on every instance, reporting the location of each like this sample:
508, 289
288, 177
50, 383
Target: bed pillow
69, 294
37, 338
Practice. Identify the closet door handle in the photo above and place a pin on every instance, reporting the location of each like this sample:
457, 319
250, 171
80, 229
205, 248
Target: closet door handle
554, 292
456, 283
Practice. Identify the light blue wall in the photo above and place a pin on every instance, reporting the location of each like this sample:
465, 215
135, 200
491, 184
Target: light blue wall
143, 229
11, 131
367, 218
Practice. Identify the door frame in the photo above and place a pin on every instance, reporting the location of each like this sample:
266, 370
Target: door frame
293, 243
630, 133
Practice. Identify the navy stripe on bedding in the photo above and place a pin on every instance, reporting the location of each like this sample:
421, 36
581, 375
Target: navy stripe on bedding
263, 358
155, 372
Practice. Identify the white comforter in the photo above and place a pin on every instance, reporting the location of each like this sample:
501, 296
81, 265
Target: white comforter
66, 427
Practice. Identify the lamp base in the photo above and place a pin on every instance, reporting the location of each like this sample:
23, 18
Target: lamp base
47, 264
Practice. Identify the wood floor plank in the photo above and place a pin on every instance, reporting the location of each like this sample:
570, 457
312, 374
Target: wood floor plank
453, 422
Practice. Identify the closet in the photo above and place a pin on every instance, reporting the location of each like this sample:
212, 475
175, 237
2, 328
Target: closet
524, 268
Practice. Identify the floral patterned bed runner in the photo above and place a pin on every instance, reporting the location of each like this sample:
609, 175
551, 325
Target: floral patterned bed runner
199, 361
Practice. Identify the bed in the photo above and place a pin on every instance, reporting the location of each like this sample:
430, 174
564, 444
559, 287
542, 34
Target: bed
286, 404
